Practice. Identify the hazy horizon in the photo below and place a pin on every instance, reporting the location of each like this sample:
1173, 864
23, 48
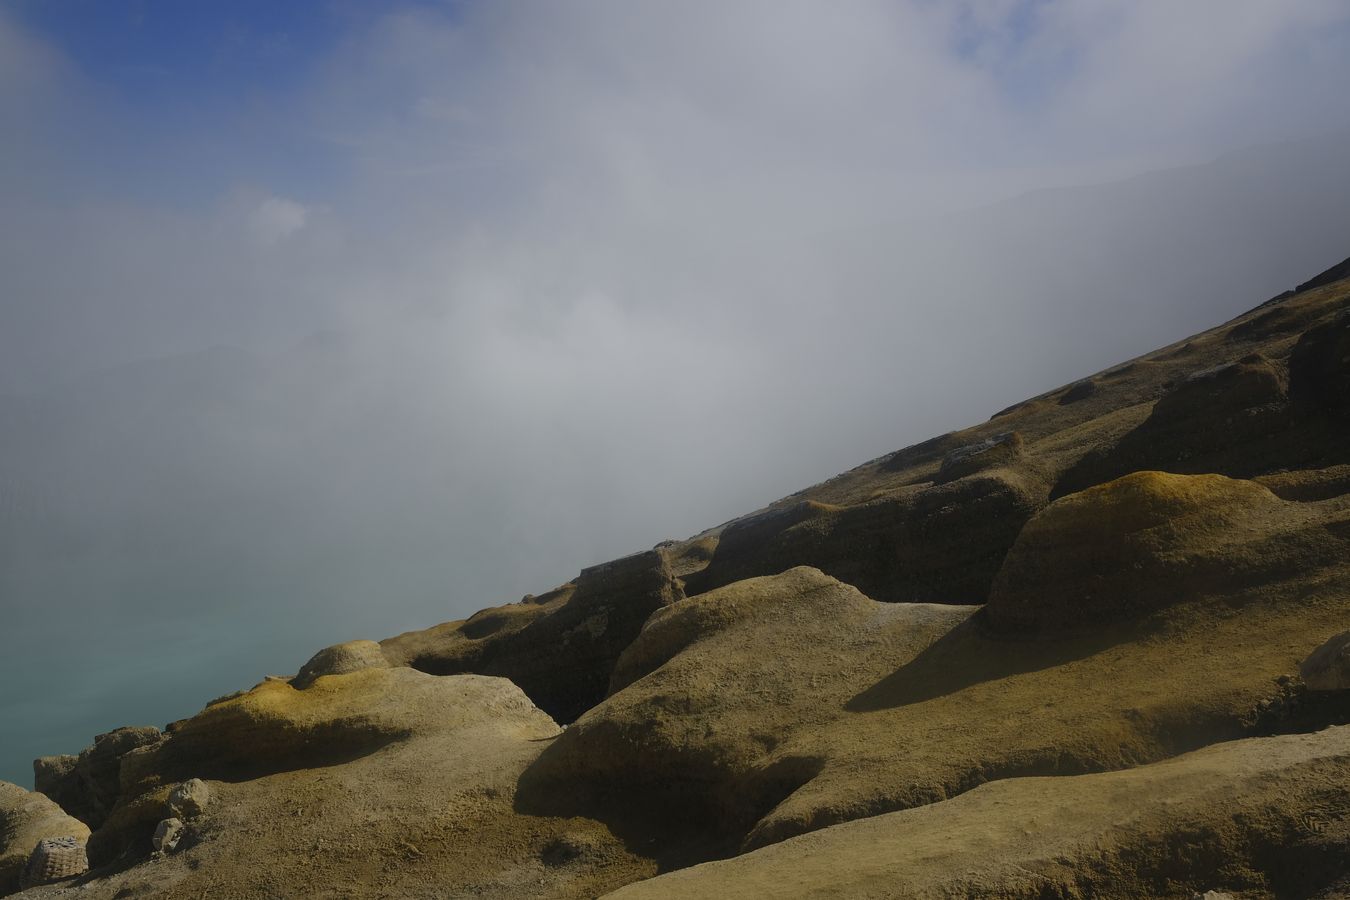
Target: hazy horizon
323, 322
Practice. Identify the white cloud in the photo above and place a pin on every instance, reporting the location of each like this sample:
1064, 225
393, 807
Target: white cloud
275, 219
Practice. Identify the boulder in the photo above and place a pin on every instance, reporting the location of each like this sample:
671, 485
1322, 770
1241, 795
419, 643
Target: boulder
559, 648
168, 834
339, 660
26, 819
1149, 540
189, 799
87, 786
1328, 667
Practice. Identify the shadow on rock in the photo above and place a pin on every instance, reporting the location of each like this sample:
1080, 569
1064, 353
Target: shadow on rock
968, 655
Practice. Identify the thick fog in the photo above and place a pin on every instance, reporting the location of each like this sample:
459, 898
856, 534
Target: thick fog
492, 291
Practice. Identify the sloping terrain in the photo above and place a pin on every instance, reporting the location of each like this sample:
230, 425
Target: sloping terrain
1260, 815
1052, 655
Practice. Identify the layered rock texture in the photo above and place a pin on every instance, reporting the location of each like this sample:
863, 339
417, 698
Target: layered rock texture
1095, 646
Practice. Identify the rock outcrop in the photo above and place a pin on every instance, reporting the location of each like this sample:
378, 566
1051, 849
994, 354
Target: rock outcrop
277, 728
88, 785
1000, 450
1149, 540
1227, 418
1260, 817
1319, 367
559, 648
783, 704
389, 779
920, 544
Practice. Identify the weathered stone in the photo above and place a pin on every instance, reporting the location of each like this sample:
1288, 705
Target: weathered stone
168, 834
1228, 419
1244, 813
189, 799
941, 544
339, 660
87, 786
1149, 540
276, 728
1328, 667
559, 648
922, 453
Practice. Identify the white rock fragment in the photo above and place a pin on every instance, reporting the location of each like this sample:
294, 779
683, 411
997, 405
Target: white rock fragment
168, 833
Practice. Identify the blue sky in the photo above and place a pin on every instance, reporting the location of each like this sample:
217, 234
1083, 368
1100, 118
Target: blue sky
196, 96
194, 99
166, 52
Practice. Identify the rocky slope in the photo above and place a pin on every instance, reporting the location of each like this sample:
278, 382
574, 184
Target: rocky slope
1055, 654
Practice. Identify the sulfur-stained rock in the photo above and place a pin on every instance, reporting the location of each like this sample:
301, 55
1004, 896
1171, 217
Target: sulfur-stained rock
1328, 667
26, 819
1149, 540
420, 801
276, 728
339, 660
